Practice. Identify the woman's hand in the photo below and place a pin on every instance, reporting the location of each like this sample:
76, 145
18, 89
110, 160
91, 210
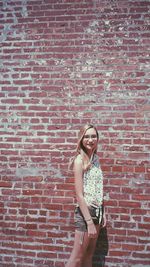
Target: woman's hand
92, 232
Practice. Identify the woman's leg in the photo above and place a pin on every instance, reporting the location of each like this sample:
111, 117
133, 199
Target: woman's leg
88, 255
81, 243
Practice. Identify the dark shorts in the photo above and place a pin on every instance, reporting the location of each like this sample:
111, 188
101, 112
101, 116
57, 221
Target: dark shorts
96, 214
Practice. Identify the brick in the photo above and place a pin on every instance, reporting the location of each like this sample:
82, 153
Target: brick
5, 184
131, 204
33, 179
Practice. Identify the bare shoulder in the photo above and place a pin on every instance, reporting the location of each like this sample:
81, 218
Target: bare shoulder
78, 161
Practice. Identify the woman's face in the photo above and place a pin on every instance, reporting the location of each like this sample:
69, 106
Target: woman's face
90, 140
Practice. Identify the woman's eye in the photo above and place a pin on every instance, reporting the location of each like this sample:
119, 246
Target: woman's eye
90, 136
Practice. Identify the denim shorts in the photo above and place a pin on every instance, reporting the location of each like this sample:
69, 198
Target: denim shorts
96, 215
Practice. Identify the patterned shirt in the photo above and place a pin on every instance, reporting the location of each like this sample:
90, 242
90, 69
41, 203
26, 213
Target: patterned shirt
93, 183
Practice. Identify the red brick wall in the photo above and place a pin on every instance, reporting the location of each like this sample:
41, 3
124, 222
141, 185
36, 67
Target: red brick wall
65, 63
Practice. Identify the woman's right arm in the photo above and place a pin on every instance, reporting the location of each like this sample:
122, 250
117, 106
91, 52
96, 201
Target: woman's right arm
78, 174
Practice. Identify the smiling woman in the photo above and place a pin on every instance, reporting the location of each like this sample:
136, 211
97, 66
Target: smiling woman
89, 212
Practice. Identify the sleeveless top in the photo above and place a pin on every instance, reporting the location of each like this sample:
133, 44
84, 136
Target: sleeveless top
93, 183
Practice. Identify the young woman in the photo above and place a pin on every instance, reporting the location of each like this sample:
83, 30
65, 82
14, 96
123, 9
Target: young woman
89, 213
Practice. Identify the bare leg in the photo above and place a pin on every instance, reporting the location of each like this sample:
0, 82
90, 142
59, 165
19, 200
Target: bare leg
79, 249
88, 255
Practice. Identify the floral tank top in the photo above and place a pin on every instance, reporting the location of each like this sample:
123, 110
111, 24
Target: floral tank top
93, 183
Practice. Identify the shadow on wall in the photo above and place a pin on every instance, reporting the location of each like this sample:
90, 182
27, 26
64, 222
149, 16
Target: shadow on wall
101, 249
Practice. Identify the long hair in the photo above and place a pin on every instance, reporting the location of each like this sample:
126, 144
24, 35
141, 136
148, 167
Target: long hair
80, 148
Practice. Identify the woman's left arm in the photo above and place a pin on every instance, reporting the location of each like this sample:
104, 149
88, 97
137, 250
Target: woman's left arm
104, 220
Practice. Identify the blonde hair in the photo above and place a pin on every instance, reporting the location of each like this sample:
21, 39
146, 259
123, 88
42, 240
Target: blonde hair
80, 150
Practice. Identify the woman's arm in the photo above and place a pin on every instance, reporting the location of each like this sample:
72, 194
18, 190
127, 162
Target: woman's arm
78, 174
104, 221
